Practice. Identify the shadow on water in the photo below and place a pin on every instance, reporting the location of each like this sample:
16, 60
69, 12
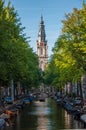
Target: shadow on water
44, 116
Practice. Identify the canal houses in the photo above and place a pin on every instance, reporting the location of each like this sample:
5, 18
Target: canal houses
76, 88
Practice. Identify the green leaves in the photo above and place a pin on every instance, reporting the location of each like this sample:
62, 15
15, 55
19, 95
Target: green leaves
69, 52
17, 59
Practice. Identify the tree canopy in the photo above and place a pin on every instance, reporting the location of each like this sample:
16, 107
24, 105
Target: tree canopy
69, 52
17, 59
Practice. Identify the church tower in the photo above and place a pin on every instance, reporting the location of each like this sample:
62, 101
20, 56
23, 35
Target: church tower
42, 48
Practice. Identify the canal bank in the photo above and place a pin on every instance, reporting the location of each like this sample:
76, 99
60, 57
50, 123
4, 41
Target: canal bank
45, 116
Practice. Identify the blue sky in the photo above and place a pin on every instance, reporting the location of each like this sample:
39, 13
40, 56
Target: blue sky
53, 12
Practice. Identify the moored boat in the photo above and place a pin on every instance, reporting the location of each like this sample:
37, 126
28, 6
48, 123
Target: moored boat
41, 99
83, 118
2, 124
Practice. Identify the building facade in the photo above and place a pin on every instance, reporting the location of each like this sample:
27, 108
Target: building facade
42, 48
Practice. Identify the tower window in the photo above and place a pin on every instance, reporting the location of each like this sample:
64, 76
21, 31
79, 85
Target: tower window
41, 51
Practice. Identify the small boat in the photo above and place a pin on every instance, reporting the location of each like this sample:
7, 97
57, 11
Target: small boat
59, 101
4, 116
69, 107
83, 118
11, 113
26, 101
2, 124
20, 105
42, 99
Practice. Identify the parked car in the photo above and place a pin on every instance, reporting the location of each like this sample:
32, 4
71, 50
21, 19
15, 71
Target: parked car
8, 100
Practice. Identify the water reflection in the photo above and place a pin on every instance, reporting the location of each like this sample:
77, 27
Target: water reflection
44, 116
71, 123
39, 109
42, 112
42, 123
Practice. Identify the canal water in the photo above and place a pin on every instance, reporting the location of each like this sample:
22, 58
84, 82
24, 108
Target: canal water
44, 116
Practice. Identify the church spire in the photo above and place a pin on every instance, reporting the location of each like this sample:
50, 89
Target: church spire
42, 48
41, 18
41, 34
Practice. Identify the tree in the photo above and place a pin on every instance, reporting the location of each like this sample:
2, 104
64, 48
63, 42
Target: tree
18, 62
69, 52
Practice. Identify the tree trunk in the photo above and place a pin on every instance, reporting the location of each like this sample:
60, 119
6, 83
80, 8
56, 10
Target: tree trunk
80, 88
12, 89
83, 81
0, 90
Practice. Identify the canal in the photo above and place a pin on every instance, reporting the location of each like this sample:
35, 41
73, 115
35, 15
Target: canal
44, 116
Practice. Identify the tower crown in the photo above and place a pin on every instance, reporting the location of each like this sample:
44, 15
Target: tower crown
41, 33
41, 22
